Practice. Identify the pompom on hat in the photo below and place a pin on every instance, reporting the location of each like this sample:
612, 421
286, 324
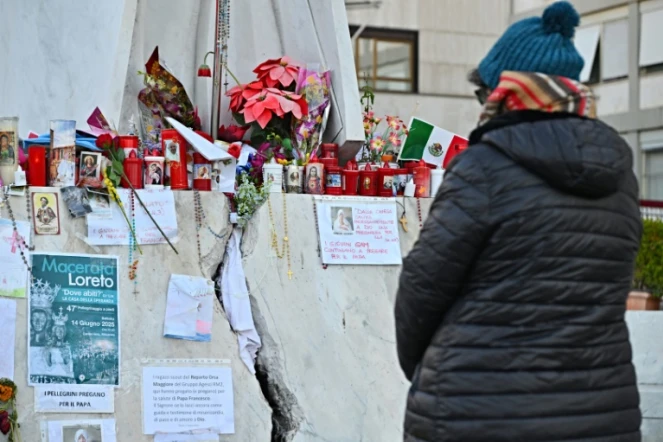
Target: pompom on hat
537, 44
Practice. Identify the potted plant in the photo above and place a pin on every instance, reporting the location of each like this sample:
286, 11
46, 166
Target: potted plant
648, 278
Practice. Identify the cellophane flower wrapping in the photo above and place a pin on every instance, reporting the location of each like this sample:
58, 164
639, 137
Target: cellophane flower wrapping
164, 96
315, 87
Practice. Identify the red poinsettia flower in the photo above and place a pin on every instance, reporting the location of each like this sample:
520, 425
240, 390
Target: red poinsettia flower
104, 141
278, 70
232, 133
239, 94
261, 108
235, 149
294, 103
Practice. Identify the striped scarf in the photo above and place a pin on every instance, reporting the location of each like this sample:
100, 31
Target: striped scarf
533, 91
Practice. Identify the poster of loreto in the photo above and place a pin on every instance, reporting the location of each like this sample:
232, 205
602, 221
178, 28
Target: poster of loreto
73, 323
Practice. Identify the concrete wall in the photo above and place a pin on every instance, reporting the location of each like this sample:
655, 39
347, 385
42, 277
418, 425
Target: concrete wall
142, 317
328, 364
328, 369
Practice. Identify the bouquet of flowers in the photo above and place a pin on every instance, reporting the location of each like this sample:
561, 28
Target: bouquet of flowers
8, 412
315, 87
386, 142
377, 144
268, 106
164, 96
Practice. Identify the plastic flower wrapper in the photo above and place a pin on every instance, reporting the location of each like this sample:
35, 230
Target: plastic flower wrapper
315, 87
164, 96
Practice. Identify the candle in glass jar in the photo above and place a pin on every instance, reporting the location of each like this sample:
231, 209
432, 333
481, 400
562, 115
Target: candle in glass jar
421, 176
37, 166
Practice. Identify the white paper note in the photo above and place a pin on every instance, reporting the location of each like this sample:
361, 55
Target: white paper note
74, 399
189, 308
8, 333
185, 399
358, 233
160, 203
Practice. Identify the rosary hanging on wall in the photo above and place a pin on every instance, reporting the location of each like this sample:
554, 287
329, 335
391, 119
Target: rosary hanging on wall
22, 244
285, 244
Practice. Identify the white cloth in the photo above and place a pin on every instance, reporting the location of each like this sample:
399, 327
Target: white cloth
236, 302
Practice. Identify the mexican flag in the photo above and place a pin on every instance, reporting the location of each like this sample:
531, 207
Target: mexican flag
430, 143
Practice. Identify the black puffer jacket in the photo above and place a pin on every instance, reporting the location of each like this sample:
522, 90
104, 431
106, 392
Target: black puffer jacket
510, 311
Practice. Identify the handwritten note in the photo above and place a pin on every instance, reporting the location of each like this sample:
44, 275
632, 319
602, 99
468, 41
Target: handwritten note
359, 232
114, 231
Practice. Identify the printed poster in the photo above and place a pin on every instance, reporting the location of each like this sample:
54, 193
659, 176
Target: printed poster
73, 320
189, 308
354, 232
430, 143
13, 271
186, 399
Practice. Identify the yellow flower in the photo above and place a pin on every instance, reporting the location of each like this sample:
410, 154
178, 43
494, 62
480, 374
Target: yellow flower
173, 90
6, 393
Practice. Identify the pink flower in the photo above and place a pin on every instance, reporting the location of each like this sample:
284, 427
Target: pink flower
261, 108
278, 70
377, 143
239, 94
394, 122
394, 139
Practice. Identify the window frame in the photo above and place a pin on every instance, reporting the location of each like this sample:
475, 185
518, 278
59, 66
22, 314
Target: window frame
386, 35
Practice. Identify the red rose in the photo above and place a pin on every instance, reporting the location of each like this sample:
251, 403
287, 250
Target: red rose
104, 140
5, 426
3, 415
235, 149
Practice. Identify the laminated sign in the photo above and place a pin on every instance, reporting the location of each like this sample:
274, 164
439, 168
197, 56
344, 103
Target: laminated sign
353, 232
73, 322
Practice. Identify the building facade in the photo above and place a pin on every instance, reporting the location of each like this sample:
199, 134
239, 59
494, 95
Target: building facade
621, 43
417, 54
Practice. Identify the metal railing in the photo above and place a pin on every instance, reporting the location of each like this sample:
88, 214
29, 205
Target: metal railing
651, 209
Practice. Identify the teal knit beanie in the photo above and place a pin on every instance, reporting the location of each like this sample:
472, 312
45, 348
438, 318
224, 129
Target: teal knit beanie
536, 44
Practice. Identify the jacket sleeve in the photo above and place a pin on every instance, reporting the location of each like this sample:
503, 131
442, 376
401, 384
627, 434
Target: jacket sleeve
435, 270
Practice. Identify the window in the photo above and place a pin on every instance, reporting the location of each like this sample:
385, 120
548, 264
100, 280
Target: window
387, 59
614, 55
651, 35
654, 174
587, 43
605, 50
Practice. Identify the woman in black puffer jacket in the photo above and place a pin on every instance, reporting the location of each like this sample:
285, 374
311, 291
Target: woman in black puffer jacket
510, 310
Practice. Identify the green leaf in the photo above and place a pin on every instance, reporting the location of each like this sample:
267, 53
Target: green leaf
258, 137
119, 154
239, 118
118, 167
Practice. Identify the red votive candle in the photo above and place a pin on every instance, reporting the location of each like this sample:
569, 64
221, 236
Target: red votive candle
368, 181
334, 183
421, 178
133, 169
37, 166
202, 172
